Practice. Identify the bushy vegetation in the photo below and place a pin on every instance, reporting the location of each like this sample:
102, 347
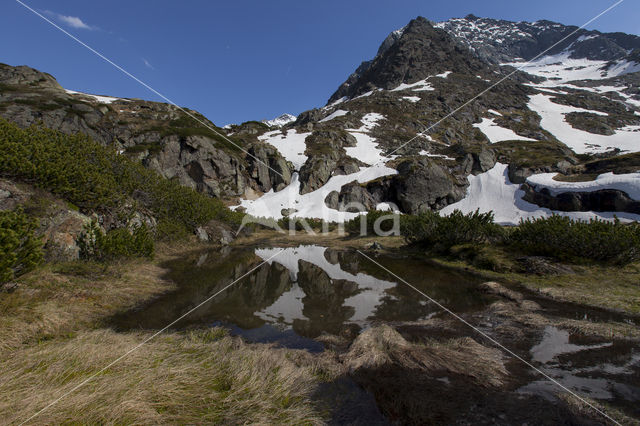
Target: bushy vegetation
300, 224
440, 233
97, 178
20, 249
568, 239
94, 244
366, 222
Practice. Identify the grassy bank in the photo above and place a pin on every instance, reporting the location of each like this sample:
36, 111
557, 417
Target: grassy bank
52, 338
603, 286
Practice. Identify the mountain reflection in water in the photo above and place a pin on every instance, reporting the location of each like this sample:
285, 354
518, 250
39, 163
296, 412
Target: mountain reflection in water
305, 290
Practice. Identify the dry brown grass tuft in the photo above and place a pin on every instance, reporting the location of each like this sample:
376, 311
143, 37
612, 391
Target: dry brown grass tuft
60, 299
203, 377
382, 345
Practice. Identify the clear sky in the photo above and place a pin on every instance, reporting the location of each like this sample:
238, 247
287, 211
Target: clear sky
243, 60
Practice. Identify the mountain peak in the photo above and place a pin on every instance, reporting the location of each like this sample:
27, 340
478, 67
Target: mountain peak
281, 120
417, 52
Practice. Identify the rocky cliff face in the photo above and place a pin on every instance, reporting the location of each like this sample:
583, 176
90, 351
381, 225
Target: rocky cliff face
418, 52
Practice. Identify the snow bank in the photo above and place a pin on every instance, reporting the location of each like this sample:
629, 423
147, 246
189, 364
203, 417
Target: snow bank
444, 74
629, 183
366, 149
334, 114
553, 120
311, 205
492, 191
291, 145
496, 133
413, 99
101, 99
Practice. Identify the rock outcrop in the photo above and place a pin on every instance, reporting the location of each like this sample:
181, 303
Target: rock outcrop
605, 200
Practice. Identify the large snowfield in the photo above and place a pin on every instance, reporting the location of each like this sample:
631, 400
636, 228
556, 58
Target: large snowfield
554, 121
561, 68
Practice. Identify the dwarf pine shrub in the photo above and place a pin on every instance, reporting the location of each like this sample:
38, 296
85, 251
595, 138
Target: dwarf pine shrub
94, 244
568, 239
366, 222
20, 249
443, 232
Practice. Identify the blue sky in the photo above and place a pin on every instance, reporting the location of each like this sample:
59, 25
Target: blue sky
243, 60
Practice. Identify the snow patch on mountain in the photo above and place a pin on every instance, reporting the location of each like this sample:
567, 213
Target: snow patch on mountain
496, 134
366, 149
291, 145
444, 74
334, 114
413, 99
101, 99
581, 142
418, 86
493, 191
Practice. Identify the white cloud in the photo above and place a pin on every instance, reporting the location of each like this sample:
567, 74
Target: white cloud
70, 21
147, 64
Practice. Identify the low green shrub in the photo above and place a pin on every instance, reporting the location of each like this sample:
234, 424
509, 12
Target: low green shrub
440, 233
568, 239
20, 249
364, 224
94, 244
300, 224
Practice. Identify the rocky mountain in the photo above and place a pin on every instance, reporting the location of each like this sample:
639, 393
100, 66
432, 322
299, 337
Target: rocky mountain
561, 134
499, 41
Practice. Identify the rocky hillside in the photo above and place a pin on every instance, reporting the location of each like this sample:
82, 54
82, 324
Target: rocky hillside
561, 134
160, 135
